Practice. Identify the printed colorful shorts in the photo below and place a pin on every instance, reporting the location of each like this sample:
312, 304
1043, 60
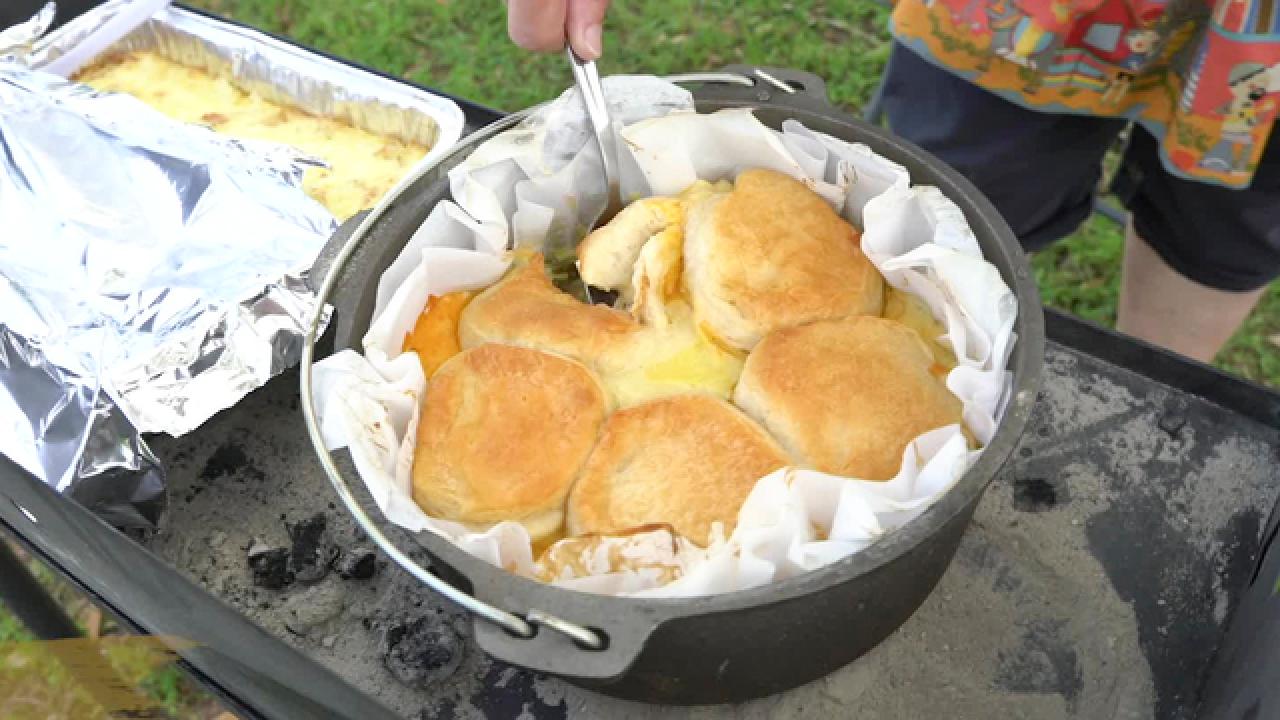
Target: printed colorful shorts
1042, 170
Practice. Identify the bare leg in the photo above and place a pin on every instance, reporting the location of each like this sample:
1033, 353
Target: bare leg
1165, 308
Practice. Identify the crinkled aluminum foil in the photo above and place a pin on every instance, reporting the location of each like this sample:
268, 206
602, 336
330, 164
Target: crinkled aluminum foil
18, 41
147, 264
152, 274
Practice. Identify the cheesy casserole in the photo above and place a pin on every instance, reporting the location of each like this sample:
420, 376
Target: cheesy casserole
362, 166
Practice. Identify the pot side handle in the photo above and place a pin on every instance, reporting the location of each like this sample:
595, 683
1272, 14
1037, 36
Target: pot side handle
624, 626
782, 87
551, 653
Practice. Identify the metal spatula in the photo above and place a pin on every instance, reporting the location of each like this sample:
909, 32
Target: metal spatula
592, 92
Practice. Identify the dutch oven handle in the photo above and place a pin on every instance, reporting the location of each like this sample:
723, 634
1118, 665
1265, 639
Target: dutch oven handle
769, 85
603, 639
600, 643
574, 635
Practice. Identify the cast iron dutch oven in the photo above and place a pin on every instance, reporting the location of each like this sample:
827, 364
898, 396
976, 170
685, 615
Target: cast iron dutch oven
724, 648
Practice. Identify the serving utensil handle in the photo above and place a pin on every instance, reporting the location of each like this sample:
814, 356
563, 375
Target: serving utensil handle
592, 91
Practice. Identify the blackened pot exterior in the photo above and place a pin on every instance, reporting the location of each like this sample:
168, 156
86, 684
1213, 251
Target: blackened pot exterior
766, 649
742, 645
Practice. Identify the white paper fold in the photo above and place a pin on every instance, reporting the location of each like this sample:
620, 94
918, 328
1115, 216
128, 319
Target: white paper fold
534, 185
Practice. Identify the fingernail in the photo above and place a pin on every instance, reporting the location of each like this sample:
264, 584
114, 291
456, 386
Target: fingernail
593, 40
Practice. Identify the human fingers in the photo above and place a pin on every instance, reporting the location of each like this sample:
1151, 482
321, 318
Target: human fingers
585, 26
537, 25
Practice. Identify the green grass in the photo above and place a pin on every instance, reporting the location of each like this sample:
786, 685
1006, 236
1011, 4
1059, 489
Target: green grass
1081, 274
11, 630
1254, 352
34, 683
461, 46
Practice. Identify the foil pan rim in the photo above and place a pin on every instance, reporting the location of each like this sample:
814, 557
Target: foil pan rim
367, 85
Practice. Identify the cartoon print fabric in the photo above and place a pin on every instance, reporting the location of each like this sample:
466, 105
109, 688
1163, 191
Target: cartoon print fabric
1202, 75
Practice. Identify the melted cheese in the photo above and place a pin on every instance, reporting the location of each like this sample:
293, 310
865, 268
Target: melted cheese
669, 360
658, 271
435, 336
362, 166
915, 314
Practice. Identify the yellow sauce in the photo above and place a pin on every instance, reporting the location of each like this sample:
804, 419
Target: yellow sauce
362, 166
658, 270
672, 354
915, 314
675, 359
540, 547
435, 336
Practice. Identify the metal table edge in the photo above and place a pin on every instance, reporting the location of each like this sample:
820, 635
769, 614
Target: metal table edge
236, 658
1230, 392
277, 681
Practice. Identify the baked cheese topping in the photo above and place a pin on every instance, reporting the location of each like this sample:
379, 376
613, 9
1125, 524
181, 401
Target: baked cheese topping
362, 166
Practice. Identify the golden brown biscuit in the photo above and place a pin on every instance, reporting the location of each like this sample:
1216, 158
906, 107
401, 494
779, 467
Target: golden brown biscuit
634, 361
503, 433
846, 396
607, 256
773, 254
685, 461
526, 309
638, 253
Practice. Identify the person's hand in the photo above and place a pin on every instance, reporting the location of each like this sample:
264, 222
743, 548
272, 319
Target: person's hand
544, 25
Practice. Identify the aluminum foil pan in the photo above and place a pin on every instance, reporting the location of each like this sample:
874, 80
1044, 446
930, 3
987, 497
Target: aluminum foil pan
153, 273
276, 71
18, 41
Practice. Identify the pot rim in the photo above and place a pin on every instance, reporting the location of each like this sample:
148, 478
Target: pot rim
1026, 365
